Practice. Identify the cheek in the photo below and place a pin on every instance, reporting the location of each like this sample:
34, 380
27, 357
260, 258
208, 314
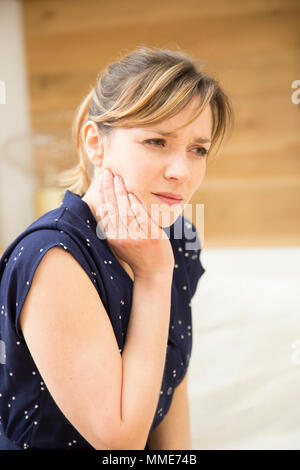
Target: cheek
140, 176
136, 168
145, 171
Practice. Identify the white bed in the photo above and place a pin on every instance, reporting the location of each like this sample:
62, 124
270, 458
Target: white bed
244, 384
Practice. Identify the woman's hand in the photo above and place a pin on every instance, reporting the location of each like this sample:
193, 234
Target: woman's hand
129, 229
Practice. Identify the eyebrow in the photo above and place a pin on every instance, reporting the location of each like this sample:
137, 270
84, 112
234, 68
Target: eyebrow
200, 140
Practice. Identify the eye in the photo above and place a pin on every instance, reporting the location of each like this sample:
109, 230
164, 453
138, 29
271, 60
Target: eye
155, 140
202, 151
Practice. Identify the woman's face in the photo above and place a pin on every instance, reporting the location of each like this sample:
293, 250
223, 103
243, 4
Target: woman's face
153, 163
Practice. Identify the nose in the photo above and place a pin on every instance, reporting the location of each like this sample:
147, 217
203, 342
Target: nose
178, 167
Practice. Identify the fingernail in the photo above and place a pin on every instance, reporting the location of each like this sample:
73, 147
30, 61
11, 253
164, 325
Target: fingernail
106, 174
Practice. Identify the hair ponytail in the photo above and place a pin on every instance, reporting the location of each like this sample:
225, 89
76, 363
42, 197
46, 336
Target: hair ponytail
78, 178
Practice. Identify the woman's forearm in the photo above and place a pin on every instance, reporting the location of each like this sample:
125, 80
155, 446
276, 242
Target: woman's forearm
143, 358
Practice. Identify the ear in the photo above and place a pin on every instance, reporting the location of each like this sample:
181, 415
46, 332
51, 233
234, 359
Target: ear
92, 142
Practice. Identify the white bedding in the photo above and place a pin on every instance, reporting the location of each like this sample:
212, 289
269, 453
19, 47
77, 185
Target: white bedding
244, 375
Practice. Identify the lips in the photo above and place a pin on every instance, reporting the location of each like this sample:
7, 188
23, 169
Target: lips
170, 195
168, 200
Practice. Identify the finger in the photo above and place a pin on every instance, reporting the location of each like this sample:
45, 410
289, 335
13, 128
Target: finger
105, 229
110, 199
101, 210
147, 224
128, 221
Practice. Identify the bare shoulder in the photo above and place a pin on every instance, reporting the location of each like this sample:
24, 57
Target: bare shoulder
72, 341
58, 272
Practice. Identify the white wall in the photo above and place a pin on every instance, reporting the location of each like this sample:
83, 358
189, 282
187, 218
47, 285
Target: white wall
244, 378
16, 190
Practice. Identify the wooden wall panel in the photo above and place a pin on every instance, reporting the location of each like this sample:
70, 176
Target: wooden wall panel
251, 192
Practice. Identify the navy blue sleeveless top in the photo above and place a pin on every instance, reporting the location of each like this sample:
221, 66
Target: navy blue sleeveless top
29, 416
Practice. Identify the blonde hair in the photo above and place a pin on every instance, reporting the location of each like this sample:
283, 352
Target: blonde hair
144, 87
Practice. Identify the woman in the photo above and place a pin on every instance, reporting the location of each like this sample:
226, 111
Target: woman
96, 326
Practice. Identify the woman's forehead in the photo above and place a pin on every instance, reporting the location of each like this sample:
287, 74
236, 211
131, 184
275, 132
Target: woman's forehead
202, 124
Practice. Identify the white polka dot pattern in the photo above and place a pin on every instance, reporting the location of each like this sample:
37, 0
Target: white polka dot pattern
73, 228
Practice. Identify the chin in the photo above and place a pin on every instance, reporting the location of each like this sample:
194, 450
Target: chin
164, 215
168, 220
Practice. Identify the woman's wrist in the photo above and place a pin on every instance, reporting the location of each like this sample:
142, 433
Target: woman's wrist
159, 277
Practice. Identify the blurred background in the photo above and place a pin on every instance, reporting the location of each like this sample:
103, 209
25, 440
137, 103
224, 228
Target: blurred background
244, 371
